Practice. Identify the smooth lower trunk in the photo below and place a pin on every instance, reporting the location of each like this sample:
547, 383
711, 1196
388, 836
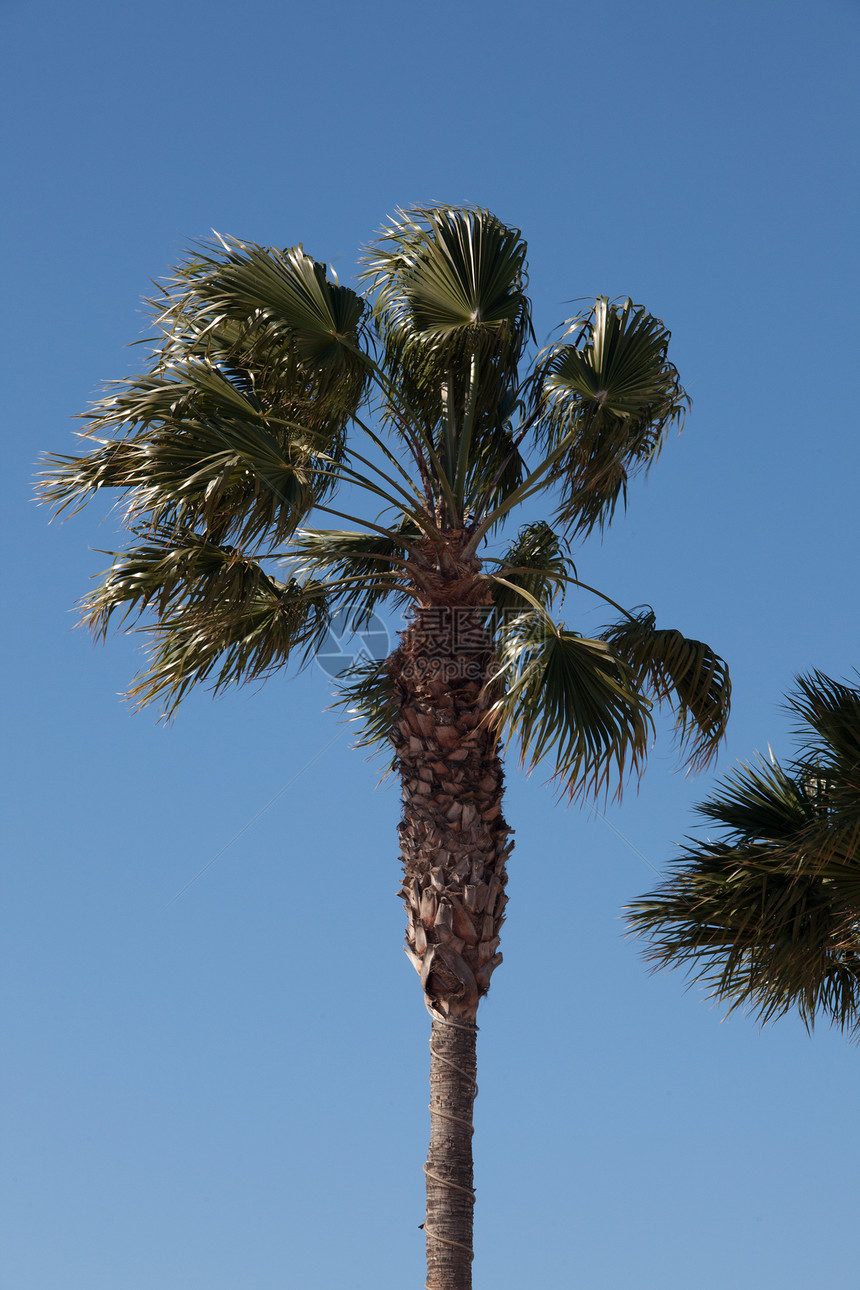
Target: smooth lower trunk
448, 1171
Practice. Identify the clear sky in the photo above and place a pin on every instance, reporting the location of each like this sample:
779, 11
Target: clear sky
229, 1090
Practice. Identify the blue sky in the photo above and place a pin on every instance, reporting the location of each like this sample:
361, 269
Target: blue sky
229, 1089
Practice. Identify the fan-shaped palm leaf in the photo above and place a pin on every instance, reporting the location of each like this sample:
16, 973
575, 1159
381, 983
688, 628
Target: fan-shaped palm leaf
452, 311
534, 562
248, 302
162, 573
223, 644
614, 391
227, 473
756, 934
759, 803
685, 673
219, 614
570, 699
828, 761
442, 276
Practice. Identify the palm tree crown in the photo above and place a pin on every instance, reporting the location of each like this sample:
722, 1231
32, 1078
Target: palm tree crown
276, 396
245, 424
768, 915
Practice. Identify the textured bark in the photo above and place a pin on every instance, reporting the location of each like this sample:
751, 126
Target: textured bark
454, 846
454, 842
450, 1198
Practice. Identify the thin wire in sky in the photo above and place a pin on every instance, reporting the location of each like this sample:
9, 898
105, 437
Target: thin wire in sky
624, 839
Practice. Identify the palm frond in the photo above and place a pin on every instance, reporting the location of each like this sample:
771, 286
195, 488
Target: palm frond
828, 762
367, 696
445, 276
828, 715
451, 308
759, 803
369, 567
685, 673
259, 370
268, 311
569, 699
535, 562
203, 455
219, 616
614, 390
225, 645
768, 916
757, 934
165, 571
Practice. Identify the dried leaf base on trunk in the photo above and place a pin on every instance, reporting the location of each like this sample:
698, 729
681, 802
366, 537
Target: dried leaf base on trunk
454, 842
454, 847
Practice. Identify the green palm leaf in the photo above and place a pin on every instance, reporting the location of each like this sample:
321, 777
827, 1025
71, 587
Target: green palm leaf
363, 569
570, 699
226, 644
236, 425
760, 803
453, 317
447, 275
828, 761
534, 562
768, 916
367, 696
685, 673
163, 572
220, 617
226, 472
757, 934
248, 302
616, 393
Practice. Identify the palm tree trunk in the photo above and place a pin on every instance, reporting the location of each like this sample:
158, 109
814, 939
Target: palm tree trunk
450, 1195
454, 846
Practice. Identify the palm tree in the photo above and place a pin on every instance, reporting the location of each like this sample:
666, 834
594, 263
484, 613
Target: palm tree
768, 917
275, 393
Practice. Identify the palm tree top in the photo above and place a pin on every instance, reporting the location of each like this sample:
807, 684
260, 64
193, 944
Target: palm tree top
278, 402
